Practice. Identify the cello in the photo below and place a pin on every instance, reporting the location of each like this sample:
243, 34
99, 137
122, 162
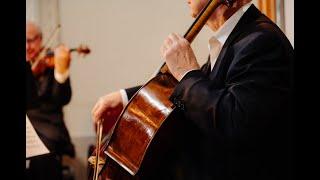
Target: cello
148, 127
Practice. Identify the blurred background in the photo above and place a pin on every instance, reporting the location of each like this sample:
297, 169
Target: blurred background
124, 38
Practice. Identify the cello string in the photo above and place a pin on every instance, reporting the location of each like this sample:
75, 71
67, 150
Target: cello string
97, 153
97, 162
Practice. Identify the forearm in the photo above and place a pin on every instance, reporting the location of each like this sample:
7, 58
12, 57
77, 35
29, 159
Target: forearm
235, 110
197, 100
61, 92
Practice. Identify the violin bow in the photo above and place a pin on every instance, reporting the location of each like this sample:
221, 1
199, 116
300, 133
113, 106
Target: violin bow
53, 33
49, 41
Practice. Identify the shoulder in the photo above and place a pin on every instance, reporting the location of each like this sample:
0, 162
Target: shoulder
263, 36
262, 32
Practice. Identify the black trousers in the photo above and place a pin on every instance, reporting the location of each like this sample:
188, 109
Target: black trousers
46, 167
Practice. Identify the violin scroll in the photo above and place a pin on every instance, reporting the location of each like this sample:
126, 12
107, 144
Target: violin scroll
82, 49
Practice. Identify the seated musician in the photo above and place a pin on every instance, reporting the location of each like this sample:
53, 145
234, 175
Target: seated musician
53, 92
238, 103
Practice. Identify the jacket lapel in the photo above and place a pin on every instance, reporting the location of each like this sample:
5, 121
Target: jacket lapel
246, 20
206, 68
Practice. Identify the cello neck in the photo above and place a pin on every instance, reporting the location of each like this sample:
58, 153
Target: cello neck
201, 19
198, 23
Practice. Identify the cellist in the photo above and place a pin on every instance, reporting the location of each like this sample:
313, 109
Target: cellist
238, 103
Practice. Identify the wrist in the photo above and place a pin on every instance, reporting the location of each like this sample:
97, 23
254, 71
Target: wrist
183, 73
61, 77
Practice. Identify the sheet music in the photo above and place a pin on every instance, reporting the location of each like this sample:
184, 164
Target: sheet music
34, 145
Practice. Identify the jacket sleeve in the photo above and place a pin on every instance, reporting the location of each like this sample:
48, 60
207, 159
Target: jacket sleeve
31, 89
254, 95
61, 93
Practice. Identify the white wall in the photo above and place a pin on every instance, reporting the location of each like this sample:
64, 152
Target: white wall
32, 10
289, 19
45, 13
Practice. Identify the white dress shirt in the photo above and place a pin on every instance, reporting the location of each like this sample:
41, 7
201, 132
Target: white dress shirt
216, 42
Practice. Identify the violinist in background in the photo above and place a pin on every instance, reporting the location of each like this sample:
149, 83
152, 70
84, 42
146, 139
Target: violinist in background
54, 92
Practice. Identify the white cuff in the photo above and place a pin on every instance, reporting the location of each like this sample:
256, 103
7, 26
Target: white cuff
61, 78
124, 97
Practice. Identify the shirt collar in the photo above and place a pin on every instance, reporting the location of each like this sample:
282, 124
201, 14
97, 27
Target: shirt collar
225, 30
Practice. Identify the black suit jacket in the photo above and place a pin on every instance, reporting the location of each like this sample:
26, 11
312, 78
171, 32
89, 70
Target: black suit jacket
31, 89
239, 113
47, 117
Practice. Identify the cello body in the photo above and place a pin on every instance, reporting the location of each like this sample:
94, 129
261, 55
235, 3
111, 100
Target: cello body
153, 130
145, 150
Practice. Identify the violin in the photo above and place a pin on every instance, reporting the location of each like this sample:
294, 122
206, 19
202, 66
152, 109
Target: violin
149, 126
45, 58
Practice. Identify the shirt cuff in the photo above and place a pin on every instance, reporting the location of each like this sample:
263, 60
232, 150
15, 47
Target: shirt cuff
61, 77
124, 97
